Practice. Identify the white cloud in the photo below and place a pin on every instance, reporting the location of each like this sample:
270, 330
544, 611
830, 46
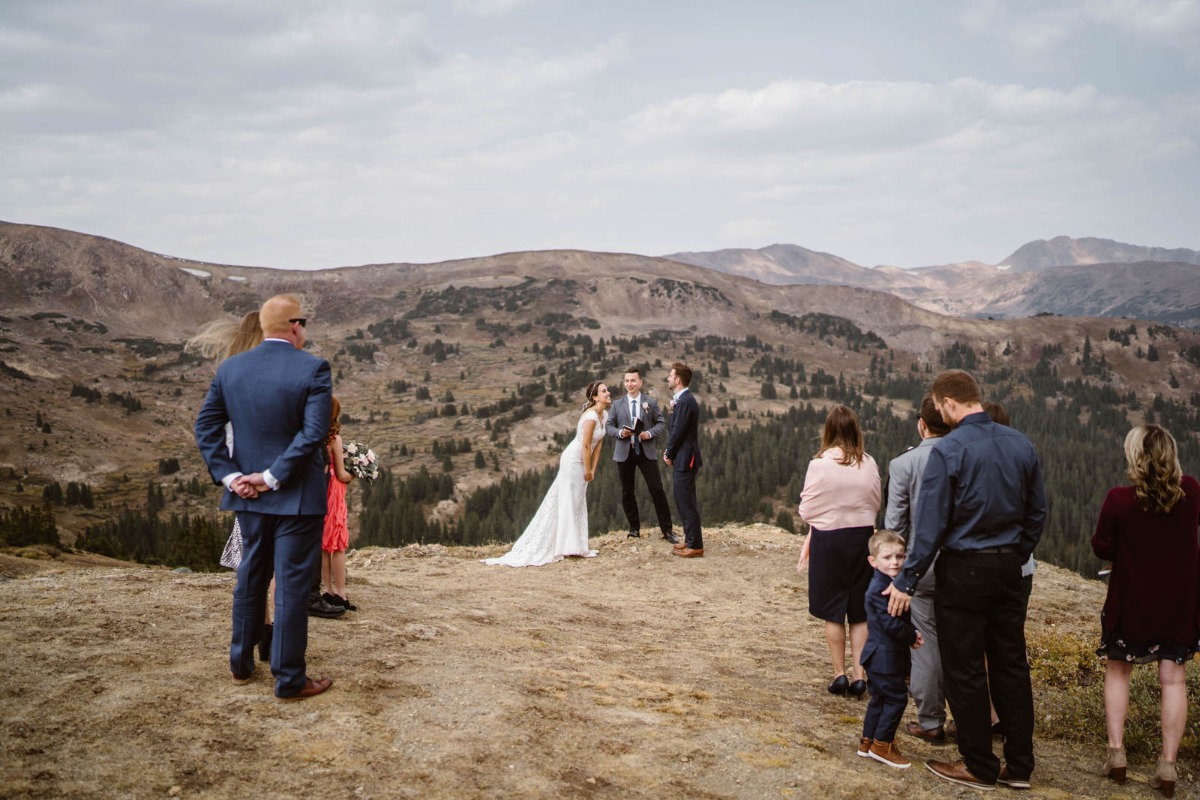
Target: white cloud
1040, 25
300, 133
35, 97
1175, 19
490, 8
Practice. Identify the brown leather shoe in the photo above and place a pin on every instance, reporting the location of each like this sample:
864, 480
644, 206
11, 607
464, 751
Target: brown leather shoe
242, 681
687, 552
932, 735
957, 772
864, 747
311, 688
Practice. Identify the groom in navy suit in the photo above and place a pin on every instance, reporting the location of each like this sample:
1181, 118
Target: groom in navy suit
277, 398
683, 455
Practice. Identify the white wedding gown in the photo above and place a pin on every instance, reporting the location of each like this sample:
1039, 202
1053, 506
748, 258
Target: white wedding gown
560, 526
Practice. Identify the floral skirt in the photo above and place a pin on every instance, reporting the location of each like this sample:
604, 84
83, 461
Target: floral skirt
1113, 645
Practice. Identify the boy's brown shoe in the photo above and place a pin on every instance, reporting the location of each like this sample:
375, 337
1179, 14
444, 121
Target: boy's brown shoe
864, 748
887, 753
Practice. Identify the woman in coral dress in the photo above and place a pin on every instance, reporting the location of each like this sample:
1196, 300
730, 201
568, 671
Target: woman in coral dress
336, 536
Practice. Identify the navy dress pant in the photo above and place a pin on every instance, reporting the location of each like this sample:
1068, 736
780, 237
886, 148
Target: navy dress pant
290, 548
885, 709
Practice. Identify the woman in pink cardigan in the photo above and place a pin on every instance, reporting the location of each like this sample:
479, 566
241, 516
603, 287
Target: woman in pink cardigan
839, 502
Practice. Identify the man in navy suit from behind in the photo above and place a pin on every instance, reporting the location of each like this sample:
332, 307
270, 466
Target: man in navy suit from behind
277, 398
683, 456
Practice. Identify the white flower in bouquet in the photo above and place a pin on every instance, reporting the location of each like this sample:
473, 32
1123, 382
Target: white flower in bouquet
360, 461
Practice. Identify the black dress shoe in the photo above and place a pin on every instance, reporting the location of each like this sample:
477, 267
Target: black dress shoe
670, 537
635, 535
319, 608
840, 684
340, 602
857, 689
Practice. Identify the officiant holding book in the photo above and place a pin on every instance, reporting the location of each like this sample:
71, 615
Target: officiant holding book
635, 422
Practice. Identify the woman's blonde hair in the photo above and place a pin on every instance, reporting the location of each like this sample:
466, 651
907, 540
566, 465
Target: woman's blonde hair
1154, 469
842, 430
224, 337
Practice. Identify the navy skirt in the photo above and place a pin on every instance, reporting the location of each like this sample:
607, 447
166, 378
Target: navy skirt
838, 574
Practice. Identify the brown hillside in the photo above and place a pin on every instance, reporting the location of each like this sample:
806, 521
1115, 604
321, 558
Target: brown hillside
81, 313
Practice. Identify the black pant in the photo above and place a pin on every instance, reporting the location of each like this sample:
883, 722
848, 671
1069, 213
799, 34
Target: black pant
980, 610
649, 468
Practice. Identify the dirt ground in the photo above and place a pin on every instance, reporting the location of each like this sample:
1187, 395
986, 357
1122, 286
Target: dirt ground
631, 675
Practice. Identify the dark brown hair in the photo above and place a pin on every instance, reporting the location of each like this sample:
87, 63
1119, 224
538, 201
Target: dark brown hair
842, 430
997, 412
590, 393
956, 385
683, 372
932, 418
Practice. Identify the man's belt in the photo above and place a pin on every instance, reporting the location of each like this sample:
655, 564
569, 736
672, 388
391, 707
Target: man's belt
994, 551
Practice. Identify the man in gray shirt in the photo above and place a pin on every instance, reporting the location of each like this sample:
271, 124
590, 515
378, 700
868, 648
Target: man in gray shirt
904, 479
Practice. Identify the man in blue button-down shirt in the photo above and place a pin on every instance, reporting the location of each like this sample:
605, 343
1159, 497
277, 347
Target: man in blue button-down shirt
982, 508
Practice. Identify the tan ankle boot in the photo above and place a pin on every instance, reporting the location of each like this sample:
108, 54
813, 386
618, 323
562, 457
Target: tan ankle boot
1114, 765
1164, 778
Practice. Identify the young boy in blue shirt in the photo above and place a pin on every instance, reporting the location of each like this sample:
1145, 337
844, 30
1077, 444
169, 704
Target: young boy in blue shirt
885, 656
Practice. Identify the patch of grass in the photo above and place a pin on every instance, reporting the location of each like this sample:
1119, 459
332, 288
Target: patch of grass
1068, 686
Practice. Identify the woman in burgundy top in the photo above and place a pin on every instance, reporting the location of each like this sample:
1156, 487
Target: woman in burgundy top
1149, 532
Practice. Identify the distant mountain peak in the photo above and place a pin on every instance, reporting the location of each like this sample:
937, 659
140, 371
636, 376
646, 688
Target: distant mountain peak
1063, 251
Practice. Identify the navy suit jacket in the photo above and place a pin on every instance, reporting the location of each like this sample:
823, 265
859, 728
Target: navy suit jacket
888, 638
684, 449
278, 399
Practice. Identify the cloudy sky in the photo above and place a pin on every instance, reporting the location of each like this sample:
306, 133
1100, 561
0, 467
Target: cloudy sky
309, 133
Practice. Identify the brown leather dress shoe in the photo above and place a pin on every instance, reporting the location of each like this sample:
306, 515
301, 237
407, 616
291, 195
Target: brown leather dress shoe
242, 681
957, 772
932, 735
311, 688
687, 552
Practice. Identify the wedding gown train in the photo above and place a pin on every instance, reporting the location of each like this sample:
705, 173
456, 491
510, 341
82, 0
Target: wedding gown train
560, 526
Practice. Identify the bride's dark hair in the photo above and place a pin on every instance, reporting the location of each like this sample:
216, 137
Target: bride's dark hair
590, 393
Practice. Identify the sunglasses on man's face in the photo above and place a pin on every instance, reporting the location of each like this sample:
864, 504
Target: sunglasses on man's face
302, 320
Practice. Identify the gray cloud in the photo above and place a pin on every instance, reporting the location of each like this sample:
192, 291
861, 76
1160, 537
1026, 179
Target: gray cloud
305, 134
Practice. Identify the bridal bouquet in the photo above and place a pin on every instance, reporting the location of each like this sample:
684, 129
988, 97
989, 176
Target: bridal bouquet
360, 461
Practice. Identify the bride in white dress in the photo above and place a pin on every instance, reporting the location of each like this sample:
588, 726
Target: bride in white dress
560, 526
